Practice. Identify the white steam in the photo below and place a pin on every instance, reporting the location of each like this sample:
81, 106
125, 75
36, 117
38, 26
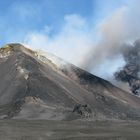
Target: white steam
94, 48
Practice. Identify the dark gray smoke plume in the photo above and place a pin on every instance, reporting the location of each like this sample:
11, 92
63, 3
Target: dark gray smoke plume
130, 73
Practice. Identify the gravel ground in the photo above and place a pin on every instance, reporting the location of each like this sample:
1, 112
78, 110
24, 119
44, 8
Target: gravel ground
75, 130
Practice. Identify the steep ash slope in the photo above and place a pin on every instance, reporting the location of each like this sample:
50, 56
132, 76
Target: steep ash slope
32, 86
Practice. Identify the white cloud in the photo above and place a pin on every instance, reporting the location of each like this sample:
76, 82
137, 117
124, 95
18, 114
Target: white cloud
98, 52
76, 38
71, 43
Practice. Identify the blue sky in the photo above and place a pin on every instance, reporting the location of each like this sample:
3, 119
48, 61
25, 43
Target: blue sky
19, 17
87, 33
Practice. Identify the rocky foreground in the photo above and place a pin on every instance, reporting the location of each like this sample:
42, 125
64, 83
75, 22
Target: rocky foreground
64, 130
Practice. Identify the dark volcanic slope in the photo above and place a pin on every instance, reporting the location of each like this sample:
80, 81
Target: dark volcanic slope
31, 86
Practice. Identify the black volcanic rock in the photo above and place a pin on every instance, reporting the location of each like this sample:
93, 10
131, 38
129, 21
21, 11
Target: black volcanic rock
33, 87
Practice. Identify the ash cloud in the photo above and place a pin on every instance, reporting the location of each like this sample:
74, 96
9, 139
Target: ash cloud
97, 48
116, 33
120, 27
111, 33
130, 73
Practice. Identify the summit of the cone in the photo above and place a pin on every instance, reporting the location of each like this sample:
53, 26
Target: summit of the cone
15, 47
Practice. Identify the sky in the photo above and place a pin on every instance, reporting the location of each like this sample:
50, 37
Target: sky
20, 17
72, 29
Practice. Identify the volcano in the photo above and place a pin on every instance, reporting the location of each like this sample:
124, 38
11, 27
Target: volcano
38, 86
